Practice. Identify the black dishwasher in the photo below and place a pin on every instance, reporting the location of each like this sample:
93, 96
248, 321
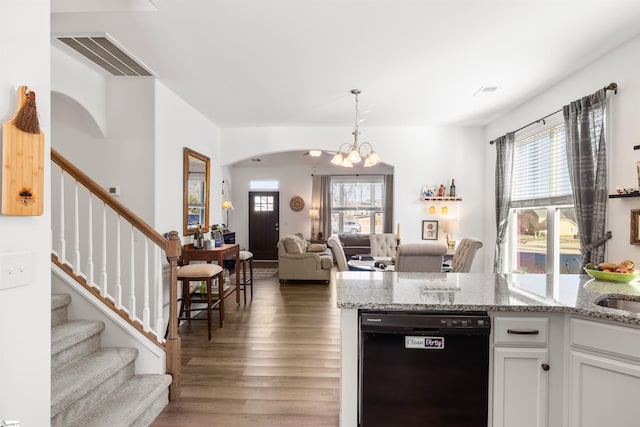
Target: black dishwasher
424, 369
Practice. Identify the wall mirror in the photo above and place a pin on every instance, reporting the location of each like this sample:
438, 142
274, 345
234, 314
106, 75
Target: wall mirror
195, 191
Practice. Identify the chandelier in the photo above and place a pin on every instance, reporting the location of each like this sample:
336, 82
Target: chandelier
353, 153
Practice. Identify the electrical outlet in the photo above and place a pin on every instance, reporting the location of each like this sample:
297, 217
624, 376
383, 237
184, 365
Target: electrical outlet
16, 269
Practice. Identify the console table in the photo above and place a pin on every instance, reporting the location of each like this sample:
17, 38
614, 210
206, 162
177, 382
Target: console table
189, 253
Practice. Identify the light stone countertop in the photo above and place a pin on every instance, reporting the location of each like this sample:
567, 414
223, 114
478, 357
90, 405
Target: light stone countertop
566, 293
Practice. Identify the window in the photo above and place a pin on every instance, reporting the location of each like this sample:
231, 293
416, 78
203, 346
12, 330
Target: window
263, 203
357, 204
543, 236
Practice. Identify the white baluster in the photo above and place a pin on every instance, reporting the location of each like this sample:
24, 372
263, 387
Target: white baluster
118, 295
103, 263
76, 230
146, 314
159, 294
132, 276
61, 249
90, 243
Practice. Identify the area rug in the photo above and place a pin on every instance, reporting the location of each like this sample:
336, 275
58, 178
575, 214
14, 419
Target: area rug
258, 273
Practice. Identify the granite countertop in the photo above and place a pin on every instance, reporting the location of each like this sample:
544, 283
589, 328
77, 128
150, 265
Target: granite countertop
566, 293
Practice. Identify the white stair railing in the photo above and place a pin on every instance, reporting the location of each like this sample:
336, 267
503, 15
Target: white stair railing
138, 258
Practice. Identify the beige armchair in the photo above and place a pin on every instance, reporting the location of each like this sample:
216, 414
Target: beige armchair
335, 245
299, 261
383, 245
420, 257
465, 252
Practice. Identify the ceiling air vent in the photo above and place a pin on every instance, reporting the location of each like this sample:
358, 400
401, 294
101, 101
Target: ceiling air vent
101, 51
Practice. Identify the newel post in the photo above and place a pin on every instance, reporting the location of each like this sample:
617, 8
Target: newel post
173, 344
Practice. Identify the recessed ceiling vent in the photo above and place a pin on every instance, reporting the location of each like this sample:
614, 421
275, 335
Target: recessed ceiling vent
102, 52
485, 89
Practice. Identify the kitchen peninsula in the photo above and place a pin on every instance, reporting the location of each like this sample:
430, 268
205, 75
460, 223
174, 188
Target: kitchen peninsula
569, 343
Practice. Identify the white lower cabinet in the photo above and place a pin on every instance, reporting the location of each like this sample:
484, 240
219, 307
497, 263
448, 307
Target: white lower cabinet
520, 371
604, 376
520, 390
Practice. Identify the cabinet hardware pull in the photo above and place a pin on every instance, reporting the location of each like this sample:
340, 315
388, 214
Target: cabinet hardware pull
523, 331
545, 366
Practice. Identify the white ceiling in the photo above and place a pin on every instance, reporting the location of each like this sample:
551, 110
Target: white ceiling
418, 62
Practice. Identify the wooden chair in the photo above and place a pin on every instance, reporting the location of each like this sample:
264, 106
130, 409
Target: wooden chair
245, 258
207, 273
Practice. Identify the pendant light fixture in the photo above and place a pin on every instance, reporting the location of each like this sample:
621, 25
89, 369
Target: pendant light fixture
354, 153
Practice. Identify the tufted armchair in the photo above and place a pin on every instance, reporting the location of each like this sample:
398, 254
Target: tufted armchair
383, 245
465, 252
420, 257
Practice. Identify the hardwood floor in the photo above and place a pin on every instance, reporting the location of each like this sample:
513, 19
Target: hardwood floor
276, 362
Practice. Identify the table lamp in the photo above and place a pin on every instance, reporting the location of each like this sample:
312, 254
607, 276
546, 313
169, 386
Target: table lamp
313, 214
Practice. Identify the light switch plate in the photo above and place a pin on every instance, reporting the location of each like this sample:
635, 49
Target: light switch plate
16, 269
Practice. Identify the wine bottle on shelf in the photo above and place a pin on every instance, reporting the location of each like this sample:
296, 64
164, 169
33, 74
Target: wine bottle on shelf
452, 189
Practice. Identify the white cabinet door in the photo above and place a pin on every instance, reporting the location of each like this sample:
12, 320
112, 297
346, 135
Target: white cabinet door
520, 389
603, 391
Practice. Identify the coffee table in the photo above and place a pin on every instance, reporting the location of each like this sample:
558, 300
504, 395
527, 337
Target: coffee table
369, 265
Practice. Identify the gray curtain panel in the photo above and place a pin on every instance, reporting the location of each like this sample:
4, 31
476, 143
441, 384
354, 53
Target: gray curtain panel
388, 204
587, 160
321, 200
504, 172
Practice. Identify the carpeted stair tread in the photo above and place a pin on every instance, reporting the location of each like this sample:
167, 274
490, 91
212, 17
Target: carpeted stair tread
79, 378
129, 403
59, 303
60, 300
72, 332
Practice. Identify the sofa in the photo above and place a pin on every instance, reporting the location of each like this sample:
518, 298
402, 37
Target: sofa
299, 260
355, 244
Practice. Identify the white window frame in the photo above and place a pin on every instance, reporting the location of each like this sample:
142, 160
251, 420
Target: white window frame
552, 264
373, 210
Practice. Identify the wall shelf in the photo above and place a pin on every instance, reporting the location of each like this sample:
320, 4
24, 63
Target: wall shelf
442, 199
619, 196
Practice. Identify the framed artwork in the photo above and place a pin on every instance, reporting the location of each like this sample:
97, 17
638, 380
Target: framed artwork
429, 230
634, 227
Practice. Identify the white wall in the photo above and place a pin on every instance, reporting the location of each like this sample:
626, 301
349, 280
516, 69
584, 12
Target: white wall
621, 65
25, 357
178, 125
294, 181
124, 157
420, 155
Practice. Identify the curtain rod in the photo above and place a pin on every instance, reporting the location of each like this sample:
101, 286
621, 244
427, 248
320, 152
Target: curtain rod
610, 86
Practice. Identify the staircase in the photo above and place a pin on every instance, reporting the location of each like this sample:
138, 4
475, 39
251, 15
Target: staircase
96, 386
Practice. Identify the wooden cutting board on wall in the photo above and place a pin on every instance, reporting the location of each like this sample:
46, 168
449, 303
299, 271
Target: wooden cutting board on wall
22, 166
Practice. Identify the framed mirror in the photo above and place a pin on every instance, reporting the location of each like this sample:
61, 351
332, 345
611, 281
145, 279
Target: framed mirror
195, 191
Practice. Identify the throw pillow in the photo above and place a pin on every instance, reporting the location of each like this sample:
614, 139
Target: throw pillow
291, 245
316, 247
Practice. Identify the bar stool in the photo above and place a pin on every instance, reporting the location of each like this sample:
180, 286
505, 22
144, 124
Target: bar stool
244, 258
201, 273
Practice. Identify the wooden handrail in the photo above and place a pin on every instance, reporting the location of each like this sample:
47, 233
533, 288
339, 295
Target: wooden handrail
103, 195
172, 248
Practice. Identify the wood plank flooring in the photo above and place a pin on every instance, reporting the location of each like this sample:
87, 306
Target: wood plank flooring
276, 362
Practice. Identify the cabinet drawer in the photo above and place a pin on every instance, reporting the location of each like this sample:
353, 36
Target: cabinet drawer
613, 339
521, 330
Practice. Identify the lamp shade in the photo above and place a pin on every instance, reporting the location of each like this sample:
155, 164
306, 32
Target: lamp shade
314, 214
227, 205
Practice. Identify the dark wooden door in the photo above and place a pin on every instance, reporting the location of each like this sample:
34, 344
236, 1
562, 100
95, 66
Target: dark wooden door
264, 224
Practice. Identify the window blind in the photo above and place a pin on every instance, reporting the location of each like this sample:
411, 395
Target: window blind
540, 171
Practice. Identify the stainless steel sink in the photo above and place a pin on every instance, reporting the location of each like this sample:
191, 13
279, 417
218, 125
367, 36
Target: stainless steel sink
620, 303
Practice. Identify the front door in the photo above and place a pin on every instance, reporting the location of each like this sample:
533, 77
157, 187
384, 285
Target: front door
264, 224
